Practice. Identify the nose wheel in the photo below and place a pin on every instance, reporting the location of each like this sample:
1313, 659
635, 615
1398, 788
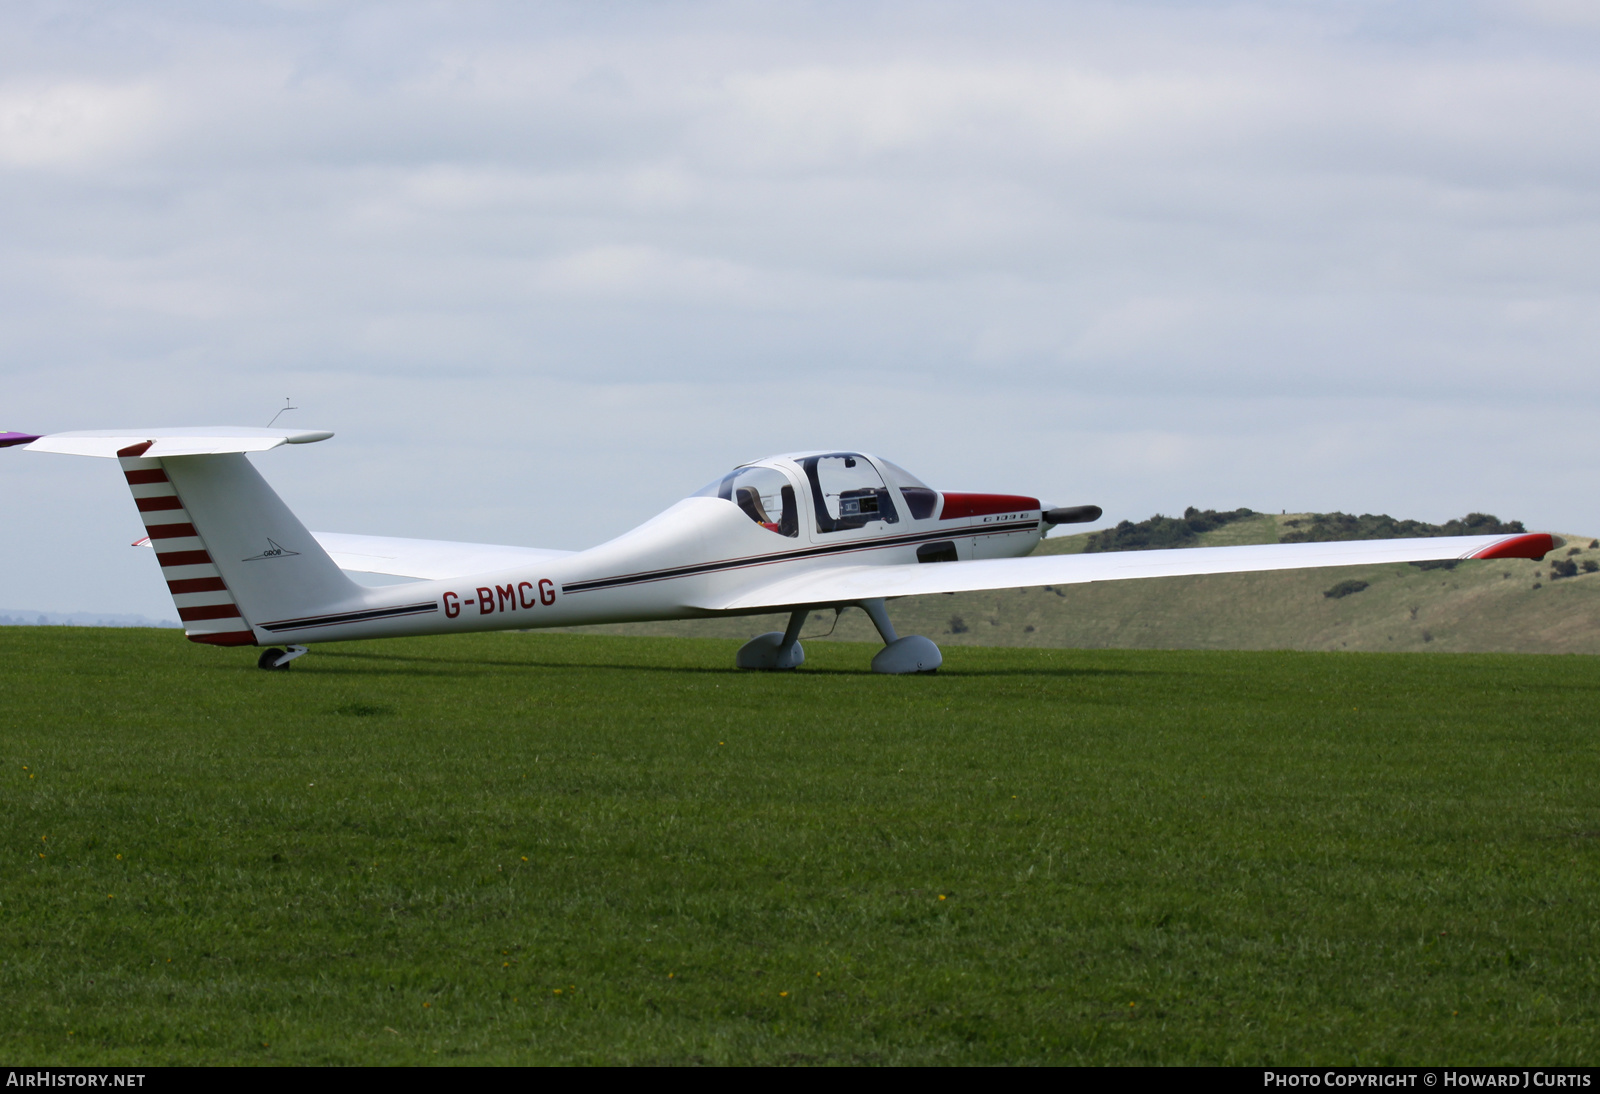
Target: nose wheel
274, 659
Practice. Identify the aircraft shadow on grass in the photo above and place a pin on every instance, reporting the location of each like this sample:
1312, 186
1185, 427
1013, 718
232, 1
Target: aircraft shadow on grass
467, 665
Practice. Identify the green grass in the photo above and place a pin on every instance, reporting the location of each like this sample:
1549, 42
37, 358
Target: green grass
400, 852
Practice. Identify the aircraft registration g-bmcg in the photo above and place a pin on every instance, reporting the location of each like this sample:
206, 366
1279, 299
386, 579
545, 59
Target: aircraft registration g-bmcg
795, 533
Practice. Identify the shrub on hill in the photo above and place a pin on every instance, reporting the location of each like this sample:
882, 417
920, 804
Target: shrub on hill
1160, 531
1345, 588
1563, 567
1329, 527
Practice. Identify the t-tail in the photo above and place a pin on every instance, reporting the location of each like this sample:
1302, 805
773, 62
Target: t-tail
232, 553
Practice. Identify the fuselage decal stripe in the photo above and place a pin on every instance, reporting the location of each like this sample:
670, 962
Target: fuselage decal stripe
349, 617
790, 556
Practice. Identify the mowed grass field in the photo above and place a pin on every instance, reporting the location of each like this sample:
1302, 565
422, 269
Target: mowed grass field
533, 848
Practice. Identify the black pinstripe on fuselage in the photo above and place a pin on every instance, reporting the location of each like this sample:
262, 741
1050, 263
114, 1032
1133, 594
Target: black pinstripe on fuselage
823, 550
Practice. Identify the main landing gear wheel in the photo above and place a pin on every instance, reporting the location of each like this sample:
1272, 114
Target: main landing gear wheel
275, 659
900, 656
775, 650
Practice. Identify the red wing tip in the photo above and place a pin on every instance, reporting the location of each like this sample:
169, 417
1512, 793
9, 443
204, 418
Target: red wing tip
1534, 545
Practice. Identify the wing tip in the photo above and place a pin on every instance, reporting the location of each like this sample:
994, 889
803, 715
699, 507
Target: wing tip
1534, 545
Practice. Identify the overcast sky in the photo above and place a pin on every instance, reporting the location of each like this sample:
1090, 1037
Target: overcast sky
546, 268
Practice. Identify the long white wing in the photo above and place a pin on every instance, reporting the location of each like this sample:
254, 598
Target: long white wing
844, 584
427, 559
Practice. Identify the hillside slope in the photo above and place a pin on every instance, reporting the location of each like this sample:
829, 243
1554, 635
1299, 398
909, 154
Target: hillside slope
1503, 606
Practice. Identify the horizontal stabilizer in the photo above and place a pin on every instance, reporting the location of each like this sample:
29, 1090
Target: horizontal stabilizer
846, 585
157, 443
426, 559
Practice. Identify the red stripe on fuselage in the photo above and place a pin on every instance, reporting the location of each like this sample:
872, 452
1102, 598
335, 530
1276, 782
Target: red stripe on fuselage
170, 531
983, 505
157, 505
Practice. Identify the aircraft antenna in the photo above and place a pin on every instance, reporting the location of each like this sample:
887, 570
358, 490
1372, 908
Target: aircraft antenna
285, 406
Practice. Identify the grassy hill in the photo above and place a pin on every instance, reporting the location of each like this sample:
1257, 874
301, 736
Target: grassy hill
1508, 606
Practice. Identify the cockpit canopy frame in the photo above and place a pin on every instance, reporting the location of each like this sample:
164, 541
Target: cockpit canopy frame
850, 491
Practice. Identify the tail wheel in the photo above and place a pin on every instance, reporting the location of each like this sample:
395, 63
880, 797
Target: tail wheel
270, 659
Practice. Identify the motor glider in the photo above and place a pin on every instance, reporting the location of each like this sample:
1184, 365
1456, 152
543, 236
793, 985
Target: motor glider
795, 533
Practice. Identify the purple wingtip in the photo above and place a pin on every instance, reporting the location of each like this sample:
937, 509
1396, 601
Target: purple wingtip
9, 439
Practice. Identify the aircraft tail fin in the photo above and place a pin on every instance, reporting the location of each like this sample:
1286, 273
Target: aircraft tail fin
232, 553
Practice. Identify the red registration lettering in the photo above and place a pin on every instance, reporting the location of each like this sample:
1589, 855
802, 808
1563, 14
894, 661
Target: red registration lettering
507, 594
485, 600
525, 591
452, 605
547, 591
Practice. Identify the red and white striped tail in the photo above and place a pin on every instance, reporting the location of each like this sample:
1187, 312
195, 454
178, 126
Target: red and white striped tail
205, 605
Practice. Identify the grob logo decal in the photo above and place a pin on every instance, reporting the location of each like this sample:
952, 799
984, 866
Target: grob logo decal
274, 550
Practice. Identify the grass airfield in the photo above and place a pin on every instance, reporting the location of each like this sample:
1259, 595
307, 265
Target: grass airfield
526, 848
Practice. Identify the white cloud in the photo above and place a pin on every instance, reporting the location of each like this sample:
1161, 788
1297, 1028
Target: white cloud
73, 123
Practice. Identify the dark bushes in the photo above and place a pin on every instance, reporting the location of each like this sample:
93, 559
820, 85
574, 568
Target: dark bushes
1159, 531
1329, 527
